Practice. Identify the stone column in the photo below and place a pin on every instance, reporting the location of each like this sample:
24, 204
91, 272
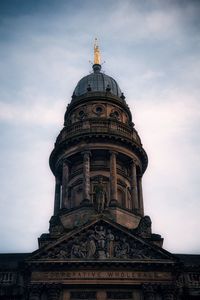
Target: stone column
149, 292
53, 292
134, 190
141, 205
86, 177
168, 292
66, 295
113, 178
65, 180
101, 295
57, 196
35, 291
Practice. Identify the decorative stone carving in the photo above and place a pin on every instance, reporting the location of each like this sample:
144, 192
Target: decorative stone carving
81, 113
116, 114
102, 241
98, 109
144, 227
55, 227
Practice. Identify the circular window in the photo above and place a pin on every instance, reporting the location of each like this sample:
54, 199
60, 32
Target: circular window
81, 113
116, 114
99, 109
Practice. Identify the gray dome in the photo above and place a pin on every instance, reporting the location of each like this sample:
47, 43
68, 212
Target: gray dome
97, 82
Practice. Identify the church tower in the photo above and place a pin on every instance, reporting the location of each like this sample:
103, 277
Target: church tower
100, 244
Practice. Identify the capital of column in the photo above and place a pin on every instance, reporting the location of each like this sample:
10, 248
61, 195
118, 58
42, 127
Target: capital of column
113, 152
86, 153
66, 162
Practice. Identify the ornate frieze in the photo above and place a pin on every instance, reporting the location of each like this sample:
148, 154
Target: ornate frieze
101, 241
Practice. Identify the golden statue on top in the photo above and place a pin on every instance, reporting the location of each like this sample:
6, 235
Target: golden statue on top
97, 57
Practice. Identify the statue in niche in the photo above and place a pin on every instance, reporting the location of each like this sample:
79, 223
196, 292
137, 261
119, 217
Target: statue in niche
100, 196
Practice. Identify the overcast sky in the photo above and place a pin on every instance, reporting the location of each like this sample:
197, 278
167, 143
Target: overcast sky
152, 49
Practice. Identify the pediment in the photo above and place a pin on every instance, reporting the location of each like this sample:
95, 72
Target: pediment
101, 240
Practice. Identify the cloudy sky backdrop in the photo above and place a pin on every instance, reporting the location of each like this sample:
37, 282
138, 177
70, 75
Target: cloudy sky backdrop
152, 49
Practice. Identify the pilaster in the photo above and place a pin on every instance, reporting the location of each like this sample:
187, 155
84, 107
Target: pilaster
141, 205
134, 190
113, 178
65, 180
57, 196
86, 176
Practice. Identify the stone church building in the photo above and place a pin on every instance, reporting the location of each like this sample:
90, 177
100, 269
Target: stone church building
100, 244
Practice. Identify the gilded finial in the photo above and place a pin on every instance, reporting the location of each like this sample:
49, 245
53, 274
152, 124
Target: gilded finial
97, 57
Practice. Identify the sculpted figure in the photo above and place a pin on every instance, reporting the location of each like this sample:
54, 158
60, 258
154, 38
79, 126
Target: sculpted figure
122, 248
100, 196
91, 247
100, 236
83, 249
144, 227
76, 251
117, 248
109, 243
125, 248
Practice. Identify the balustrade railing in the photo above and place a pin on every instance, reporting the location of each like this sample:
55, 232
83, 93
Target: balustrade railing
97, 126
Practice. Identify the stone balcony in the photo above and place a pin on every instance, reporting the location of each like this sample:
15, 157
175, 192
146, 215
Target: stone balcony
98, 126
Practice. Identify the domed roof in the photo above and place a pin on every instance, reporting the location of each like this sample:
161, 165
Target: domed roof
97, 82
